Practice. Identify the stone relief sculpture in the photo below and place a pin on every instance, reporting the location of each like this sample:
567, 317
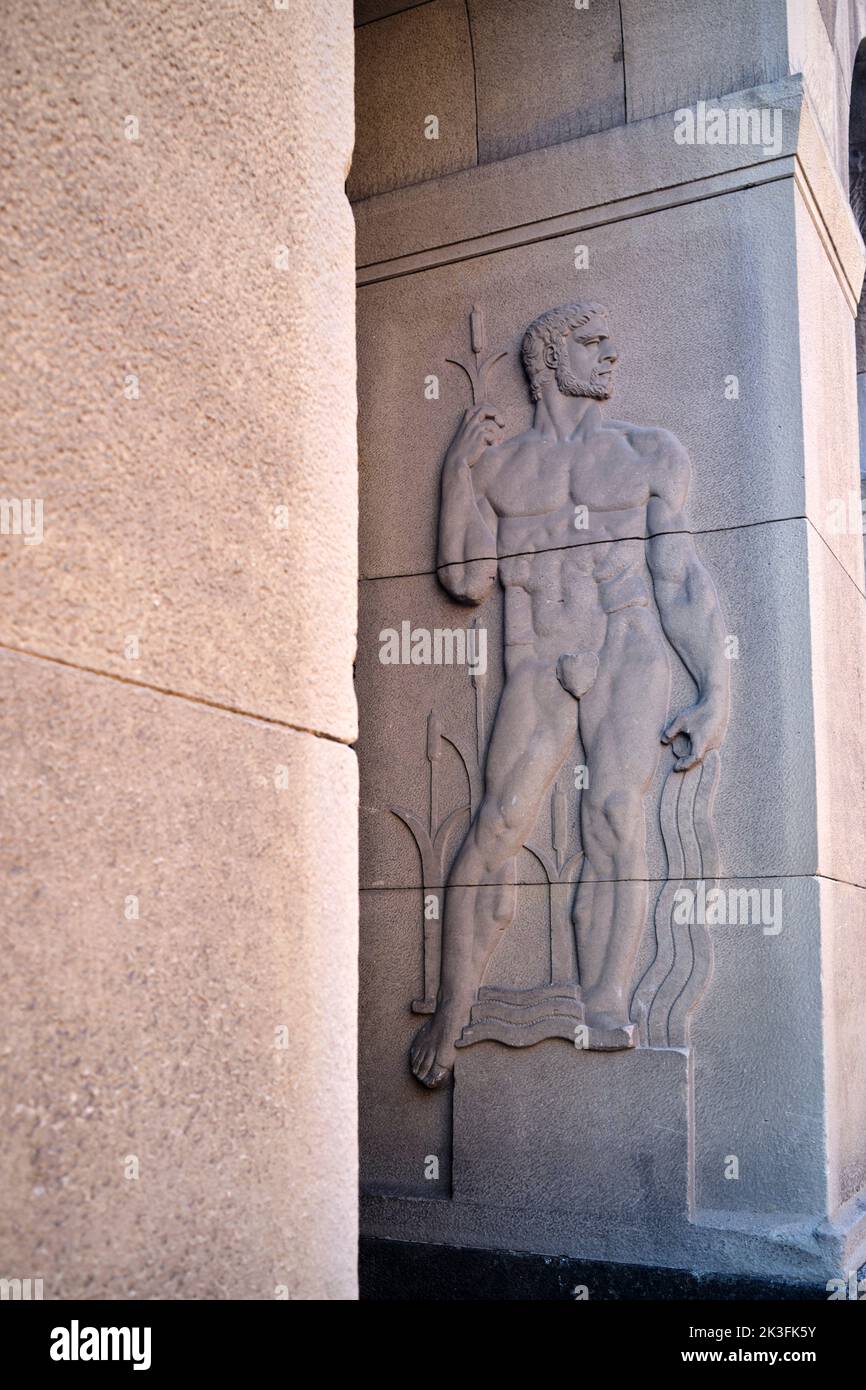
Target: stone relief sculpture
588, 616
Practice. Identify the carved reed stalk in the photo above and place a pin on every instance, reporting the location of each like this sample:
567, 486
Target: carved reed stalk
479, 371
479, 685
434, 753
559, 807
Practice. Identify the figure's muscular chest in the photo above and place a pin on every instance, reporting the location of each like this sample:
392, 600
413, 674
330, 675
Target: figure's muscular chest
604, 475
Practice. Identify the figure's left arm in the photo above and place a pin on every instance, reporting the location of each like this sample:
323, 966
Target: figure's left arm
688, 604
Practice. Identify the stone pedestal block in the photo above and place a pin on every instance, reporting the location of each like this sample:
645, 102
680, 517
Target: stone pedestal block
536, 1127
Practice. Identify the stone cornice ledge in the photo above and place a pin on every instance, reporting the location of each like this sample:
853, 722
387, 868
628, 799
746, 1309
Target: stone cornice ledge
623, 172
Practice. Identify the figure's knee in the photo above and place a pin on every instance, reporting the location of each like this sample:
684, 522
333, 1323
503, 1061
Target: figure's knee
612, 824
496, 837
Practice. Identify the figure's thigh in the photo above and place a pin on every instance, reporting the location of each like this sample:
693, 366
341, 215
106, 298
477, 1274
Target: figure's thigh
622, 717
534, 732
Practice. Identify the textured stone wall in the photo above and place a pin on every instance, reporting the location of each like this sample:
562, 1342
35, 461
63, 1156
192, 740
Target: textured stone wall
732, 271
179, 958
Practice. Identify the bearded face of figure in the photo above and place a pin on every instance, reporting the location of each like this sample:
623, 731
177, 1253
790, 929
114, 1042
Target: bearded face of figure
584, 364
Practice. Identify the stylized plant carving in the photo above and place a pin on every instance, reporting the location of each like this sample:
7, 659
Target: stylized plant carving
479, 371
432, 841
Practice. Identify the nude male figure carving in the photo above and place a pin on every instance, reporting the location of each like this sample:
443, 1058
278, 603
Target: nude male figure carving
587, 627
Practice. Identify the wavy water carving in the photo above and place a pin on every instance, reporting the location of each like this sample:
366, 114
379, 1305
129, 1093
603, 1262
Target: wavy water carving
683, 962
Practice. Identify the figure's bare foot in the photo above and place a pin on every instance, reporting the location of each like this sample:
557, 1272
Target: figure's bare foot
609, 1026
432, 1053
605, 1009
606, 1018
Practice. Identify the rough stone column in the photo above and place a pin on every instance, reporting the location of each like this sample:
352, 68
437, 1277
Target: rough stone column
179, 966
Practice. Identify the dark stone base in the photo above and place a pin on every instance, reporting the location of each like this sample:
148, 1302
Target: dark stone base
401, 1270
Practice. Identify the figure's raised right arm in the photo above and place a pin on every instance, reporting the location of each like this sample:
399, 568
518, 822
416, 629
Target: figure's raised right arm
466, 561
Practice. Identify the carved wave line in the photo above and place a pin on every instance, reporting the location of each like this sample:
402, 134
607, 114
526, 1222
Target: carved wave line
521, 1034
681, 946
708, 870
660, 966
682, 965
